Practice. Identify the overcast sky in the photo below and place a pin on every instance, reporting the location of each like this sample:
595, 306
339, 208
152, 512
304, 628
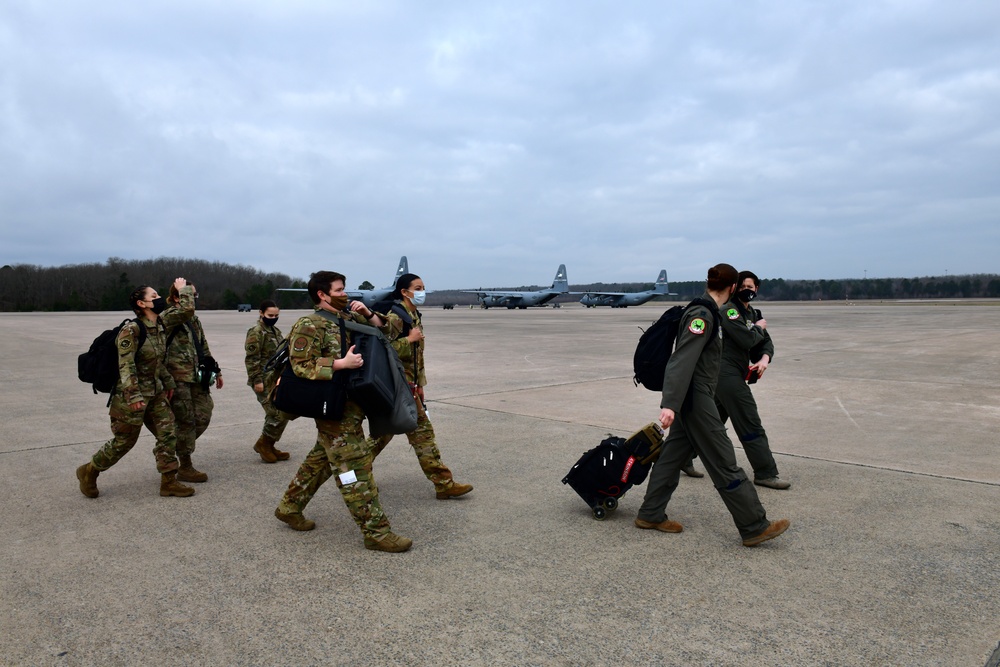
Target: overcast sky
491, 142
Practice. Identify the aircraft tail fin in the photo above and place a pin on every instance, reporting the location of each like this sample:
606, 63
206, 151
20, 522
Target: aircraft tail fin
662, 285
561, 283
404, 267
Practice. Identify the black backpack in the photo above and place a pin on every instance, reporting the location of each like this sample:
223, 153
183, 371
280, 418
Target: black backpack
98, 366
657, 342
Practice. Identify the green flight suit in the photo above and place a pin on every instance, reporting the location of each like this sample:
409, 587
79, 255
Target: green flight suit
744, 342
689, 390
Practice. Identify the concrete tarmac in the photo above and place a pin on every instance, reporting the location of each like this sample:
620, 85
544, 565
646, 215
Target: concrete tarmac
884, 416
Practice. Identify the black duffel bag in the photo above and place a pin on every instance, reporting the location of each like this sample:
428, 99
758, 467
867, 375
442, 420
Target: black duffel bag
319, 399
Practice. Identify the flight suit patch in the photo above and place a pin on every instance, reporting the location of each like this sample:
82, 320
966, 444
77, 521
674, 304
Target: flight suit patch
300, 343
697, 326
733, 314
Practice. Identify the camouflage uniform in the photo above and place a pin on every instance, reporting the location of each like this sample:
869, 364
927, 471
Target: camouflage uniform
192, 404
260, 344
421, 438
143, 379
341, 449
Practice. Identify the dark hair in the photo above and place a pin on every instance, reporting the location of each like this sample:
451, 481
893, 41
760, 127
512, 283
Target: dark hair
403, 282
321, 281
267, 303
174, 293
137, 295
722, 276
748, 274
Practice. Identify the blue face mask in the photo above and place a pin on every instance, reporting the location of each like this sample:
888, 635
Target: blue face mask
419, 298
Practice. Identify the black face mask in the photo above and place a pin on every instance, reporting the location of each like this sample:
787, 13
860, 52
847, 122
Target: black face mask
746, 295
269, 321
159, 305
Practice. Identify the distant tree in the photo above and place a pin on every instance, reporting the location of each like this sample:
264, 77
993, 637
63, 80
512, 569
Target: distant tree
366, 285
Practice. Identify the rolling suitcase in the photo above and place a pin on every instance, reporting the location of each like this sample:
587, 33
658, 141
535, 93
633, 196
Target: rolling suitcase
606, 472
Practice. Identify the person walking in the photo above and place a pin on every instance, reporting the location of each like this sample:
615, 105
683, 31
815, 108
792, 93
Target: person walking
142, 397
262, 339
405, 331
341, 451
194, 369
688, 410
747, 352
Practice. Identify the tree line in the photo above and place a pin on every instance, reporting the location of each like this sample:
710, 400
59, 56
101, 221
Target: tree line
106, 286
947, 287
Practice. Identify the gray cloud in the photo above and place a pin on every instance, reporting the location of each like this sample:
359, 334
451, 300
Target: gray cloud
491, 144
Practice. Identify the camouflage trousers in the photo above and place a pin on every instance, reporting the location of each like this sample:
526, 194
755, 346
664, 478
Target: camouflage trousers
192, 408
424, 446
126, 425
275, 420
342, 452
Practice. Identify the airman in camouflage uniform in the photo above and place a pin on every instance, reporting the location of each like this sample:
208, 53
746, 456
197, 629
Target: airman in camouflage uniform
192, 403
142, 397
407, 339
341, 450
262, 340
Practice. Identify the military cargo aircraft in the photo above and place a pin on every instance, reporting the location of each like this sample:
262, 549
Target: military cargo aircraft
512, 300
367, 296
626, 299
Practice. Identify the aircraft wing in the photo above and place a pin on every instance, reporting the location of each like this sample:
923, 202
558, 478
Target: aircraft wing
494, 293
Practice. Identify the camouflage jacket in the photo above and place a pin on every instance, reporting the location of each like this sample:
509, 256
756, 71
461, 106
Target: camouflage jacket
142, 373
743, 341
411, 354
260, 344
314, 344
182, 355
694, 364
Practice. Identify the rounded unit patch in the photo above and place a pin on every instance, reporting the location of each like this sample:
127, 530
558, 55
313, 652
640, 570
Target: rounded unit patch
125, 343
252, 348
697, 326
300, 343
733, 314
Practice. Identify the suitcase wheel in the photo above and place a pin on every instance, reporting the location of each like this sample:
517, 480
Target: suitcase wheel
610, 504
599, 513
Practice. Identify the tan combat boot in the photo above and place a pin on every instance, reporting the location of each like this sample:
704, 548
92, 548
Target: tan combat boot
294, 519
392, 543
453, 490
265, 447
187, 473
169, 486
87, 474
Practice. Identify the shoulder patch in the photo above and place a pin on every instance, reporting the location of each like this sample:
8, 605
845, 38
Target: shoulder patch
697, 326
300, 343
252, 347
125, 343
733, 314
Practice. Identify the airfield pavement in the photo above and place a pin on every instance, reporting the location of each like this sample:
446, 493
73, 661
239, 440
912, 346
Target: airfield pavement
884, 416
